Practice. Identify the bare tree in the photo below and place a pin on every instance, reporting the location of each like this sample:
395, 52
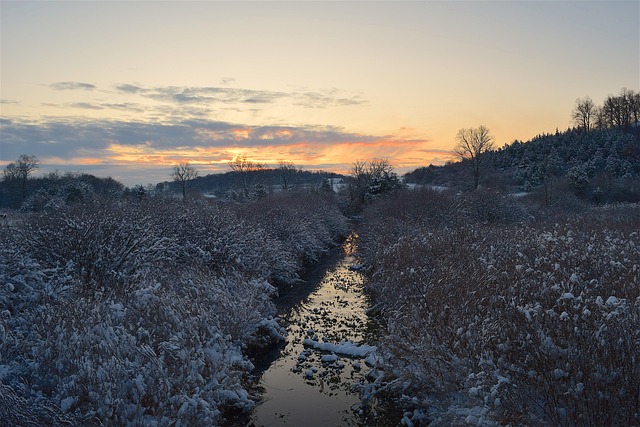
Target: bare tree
622, 111
365, 170
611, 111
245, 169
20, 170
360, 179
584, 113
472, 144
288, 173
599, 118
184, 174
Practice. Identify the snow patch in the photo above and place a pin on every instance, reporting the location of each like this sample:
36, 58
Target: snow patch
346, 348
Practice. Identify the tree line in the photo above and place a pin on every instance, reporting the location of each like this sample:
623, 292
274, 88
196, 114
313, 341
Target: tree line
618, 111
597, 160
21, 188
246, 179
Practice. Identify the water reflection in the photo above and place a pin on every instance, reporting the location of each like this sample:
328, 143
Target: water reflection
350, 246
306, 386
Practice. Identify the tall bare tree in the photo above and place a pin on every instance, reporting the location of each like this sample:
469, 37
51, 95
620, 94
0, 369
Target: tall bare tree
360, 177
600, 118
20, 170
472, 143
184, 174
584, 113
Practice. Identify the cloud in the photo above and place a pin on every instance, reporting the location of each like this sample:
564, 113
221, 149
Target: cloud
125, 106
174, 103
143, 152
72, 86
86, 106
129, 88
256, 101
59, 138
211, 95
129, 107
7, 101
70, 138
226, 134
327, 98
207, 95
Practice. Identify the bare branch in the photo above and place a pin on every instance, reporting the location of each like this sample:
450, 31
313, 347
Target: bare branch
472, 143
183, 173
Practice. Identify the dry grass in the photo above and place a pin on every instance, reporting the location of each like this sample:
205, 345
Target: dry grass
523, 324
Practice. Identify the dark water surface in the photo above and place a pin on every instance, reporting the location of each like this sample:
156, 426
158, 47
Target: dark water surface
306, 386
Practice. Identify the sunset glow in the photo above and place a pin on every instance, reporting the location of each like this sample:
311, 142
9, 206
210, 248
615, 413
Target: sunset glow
127, 89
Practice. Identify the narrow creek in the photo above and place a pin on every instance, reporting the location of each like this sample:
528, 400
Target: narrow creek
329, 336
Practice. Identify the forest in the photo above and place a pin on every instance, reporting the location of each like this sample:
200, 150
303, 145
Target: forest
508, 283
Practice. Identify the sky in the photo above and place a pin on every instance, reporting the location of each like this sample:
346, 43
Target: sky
128, 89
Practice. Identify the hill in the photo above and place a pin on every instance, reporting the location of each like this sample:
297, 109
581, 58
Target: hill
599, 166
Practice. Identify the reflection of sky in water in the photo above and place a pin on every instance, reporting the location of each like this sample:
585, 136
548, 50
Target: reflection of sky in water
335, 311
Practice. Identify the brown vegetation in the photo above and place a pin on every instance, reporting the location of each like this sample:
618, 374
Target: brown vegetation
496, 318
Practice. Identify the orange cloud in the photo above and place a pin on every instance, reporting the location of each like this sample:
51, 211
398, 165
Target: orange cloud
240, 134
145, 146
402, 153
80, 161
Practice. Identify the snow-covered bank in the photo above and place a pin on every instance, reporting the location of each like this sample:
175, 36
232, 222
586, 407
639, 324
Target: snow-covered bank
141, 311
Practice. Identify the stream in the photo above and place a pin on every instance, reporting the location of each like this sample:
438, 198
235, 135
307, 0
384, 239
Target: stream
329, 336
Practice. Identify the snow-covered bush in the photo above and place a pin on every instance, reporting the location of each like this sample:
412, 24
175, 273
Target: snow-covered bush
401, 213
220, 238
306, 223
517, 324
109, 246
142, 311
169, 350
18, 411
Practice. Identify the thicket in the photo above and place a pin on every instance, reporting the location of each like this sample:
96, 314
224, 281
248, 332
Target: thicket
496, 316
143, 311
54, 189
